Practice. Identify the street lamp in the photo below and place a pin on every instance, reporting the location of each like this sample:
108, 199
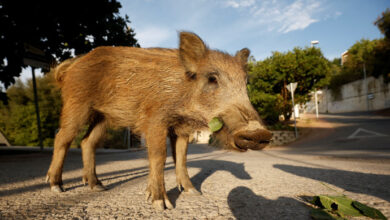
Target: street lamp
316, 100
314, 42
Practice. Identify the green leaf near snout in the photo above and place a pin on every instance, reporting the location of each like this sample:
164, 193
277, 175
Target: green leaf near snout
341, 205
215, 124
368, 211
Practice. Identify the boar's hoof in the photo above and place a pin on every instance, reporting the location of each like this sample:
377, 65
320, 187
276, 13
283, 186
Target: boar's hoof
158, 204
161, 204
168, 204
192, 192
57, 189
147, 195
98, 188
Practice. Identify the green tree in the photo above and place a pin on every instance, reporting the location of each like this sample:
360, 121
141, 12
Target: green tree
360, 56
18, 119
383, 23
268, 80
372, 55
57, 28
337, 61
382, 50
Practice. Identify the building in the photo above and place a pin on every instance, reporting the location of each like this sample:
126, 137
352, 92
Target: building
344, 57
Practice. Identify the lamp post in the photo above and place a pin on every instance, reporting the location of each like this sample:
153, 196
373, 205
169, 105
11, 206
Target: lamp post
36, 58
312, 43
291, 87
316, 100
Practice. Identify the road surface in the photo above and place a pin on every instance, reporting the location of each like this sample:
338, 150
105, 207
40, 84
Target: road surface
344, 154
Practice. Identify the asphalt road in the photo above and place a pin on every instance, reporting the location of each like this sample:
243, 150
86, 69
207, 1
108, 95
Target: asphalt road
350, 135
269, 184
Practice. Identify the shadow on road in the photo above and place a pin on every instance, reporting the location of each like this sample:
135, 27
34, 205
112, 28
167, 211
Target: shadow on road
208, 167
118, 177
23, 164
245, 204
364, 183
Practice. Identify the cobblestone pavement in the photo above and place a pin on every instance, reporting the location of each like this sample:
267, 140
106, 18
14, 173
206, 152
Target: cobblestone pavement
269, 184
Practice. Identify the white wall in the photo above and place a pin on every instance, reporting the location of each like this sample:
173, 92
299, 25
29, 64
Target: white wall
202, 137
354, 97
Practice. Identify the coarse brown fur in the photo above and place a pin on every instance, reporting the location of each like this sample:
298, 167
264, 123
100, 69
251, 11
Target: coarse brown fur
158, 93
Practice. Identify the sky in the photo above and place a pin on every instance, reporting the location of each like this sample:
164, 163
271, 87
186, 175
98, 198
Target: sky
262, 26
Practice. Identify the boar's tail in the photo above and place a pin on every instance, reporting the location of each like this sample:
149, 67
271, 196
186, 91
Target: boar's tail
60, 70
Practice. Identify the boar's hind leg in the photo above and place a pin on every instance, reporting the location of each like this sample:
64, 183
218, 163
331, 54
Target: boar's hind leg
172, 141
157, 153
182, 178
91, 141
72, 118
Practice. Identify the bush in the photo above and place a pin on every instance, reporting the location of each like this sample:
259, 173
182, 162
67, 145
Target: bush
18, 118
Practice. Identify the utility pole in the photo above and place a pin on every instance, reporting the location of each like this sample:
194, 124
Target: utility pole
37, 109
36, 58
316, 102
129, 141
366, 86
291, 87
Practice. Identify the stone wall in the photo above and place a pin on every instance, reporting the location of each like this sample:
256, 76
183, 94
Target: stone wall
278, 138
355, 96
282, 137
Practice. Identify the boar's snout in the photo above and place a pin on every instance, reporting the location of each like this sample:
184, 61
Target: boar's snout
255, 139
242, 130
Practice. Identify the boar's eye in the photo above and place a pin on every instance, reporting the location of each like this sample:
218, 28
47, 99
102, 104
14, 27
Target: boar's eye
212, 79
191, 75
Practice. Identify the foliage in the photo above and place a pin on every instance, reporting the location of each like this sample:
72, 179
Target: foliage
115, 138
268, 80
382, 50
18, 118
371, 55
339, 207
359, 57
323, 214
57, 28
383, 23
352, 69
281, 126
60, 29
215, 124
368, 211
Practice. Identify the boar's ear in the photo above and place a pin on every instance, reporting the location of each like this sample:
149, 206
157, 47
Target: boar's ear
243, 55
191, 50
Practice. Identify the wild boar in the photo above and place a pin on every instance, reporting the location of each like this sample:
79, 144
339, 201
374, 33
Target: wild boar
158, 93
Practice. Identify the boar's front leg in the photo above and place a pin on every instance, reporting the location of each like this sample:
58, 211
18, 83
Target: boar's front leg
157, 153
182, 178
